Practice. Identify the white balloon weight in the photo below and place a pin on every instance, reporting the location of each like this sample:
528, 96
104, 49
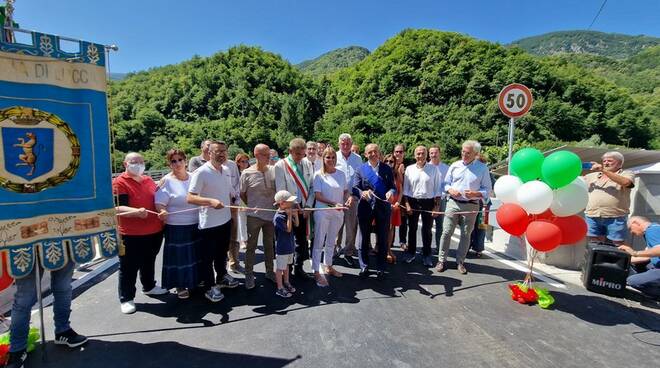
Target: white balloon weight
570, 199
506, 188
535, 197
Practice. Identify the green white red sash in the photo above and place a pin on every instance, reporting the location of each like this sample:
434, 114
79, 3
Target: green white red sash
297, 176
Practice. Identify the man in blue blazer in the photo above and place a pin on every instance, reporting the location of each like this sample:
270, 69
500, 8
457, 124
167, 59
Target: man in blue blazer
374, 187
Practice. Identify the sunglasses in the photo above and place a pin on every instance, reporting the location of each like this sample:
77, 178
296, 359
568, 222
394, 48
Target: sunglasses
179, 160
389, 162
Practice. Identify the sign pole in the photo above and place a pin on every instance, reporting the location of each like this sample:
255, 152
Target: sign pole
512, 126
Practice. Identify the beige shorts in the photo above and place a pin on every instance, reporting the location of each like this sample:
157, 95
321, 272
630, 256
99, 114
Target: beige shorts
283, 261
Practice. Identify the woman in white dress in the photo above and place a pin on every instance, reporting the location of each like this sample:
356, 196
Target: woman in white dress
330, 190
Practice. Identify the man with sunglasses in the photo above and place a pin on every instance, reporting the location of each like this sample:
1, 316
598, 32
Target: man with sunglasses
211, 188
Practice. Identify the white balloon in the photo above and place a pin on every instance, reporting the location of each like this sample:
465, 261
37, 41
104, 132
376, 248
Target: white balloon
535, 197
506, 188
580, 181
570, 199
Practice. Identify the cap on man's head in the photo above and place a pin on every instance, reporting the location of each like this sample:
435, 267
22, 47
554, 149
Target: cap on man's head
284, 196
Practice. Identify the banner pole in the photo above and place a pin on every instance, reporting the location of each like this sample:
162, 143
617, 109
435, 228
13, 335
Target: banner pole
41, 309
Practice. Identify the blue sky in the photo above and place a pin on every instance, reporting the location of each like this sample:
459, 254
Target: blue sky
153, 33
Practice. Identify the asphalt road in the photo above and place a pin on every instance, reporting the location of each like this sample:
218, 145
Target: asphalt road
415, 318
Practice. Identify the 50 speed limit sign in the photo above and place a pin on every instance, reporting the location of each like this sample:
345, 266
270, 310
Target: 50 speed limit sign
515, 100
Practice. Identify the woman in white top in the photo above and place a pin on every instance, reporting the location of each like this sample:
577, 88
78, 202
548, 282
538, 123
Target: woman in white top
330, 190
181, 251
243, 162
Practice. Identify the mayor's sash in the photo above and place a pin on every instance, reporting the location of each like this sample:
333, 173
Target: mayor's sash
297, 176
374, 179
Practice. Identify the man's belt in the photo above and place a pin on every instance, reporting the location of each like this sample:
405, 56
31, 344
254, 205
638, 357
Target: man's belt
462, 201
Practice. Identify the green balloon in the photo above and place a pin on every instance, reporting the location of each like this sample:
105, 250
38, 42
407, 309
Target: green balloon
561, 168
526, 164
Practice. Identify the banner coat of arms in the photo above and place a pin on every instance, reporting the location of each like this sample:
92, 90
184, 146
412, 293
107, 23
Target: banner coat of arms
55, 169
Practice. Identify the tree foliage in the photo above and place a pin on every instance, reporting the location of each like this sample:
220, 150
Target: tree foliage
419, 87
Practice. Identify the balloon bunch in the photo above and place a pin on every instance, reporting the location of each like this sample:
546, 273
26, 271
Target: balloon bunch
542, 199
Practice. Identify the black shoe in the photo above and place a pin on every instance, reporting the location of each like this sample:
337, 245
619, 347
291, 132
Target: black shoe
380, 275
364, 273
349, 260
16, 359
299, 273
70, 338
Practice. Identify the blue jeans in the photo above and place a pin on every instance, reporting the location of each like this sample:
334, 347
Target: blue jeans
647, 282
26, 297
613, 228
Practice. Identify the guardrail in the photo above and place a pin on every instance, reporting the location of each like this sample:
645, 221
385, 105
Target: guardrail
155, 174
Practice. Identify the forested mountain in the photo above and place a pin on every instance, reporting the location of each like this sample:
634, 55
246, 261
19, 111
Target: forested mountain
419, 87
617, 46
334, 60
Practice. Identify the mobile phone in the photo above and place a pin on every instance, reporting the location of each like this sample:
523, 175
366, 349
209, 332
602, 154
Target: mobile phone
587, 165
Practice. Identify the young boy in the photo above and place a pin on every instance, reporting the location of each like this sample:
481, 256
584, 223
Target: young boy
284, 220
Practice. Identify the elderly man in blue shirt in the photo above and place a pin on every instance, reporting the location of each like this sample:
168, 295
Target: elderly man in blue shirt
467, 181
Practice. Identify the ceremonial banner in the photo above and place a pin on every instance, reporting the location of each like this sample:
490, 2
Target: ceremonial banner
55, 170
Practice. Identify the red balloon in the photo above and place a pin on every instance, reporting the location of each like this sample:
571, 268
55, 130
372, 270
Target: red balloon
512, 218
5, 279
547, 215
543, 235
573, 228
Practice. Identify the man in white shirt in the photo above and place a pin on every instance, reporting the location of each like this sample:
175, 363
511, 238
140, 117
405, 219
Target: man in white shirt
467, 181
349, 163
434, 155
211, 187
313, 156
421, 194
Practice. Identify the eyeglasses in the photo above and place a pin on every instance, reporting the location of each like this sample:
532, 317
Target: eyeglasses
244, 161
179, 160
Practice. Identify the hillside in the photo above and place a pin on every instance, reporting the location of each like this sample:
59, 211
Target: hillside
334, 60
419, 87
613, 45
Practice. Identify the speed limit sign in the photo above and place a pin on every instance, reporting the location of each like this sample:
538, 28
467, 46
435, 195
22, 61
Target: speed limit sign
515, 100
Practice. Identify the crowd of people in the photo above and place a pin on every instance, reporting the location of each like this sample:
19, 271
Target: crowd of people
316, 203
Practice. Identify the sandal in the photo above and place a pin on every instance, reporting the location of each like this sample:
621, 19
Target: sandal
321, 281
331, 271
283, 293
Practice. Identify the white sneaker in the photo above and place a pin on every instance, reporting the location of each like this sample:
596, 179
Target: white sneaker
157, 290
128, 307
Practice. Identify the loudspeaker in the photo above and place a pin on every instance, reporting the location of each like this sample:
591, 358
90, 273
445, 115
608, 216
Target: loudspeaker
605, 269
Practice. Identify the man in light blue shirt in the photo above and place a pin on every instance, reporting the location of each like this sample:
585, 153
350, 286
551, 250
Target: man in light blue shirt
466, 182
348, 162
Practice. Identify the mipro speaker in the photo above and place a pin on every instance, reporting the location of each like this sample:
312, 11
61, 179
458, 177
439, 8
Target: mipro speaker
605, 269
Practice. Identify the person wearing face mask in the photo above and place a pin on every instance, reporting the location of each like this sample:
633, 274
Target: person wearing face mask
467, 182
141, 231
609, 199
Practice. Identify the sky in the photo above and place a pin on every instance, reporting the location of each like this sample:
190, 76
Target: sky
152, 33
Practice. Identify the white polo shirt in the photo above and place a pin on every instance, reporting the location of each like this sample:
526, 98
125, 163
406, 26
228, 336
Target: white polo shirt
211, 183
422, 183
